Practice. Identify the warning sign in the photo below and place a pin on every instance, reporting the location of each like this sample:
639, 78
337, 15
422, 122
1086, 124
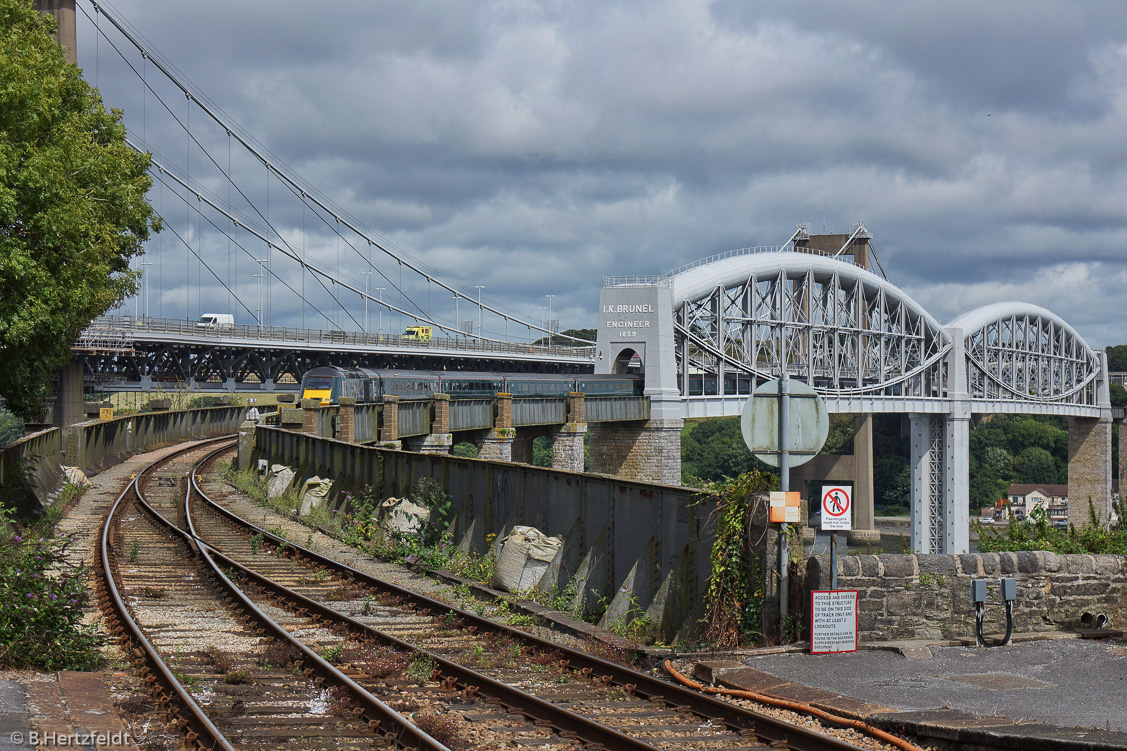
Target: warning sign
833, 621
785, 507
836, 512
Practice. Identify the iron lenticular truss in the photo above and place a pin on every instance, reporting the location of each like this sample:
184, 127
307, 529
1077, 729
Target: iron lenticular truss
842, 329
1019, 351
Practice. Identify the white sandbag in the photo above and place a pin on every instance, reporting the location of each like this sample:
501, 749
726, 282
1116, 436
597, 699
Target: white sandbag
402, 516
279, 480
313, 494
526, 556
509, 566
75, 476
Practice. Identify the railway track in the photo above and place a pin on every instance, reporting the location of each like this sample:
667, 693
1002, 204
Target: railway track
491, 684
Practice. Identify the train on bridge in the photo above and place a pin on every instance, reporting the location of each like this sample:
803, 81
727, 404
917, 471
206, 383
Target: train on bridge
365, 385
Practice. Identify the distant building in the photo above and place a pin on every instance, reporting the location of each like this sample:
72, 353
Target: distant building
1052, 498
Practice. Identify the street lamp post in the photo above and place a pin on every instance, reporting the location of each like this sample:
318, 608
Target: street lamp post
549, 318
145, 284
380, 290
259, 283
367, 278
457, 315
261, 276
480, 287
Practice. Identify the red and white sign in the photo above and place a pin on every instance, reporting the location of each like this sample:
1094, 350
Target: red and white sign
837, 514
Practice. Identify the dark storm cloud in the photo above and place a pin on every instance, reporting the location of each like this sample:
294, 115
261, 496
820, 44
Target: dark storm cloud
536, 147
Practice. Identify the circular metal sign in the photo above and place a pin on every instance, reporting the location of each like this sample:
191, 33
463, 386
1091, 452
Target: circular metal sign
807, 428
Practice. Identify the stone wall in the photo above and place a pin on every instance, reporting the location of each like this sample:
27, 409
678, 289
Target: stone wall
929, 596
648, 451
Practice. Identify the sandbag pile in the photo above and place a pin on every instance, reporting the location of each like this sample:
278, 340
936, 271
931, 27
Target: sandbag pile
526, 556
402, 516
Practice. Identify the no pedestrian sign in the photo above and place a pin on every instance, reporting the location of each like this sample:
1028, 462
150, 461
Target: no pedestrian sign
836, 513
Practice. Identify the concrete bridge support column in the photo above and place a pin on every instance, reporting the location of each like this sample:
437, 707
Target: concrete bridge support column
864, 502
389, 424
1089, 468
567, 447
440, 440
568, 440
648, 451
522, 447
1122, 461
311, 417
346, 422
68, 405
940, 484
291, 419
497, 444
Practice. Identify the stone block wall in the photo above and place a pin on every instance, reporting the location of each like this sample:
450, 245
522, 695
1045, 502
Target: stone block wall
1089, 468
929, 596
648, 451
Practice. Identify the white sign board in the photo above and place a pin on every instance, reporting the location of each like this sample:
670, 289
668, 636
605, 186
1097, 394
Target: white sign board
833, 621
837, 511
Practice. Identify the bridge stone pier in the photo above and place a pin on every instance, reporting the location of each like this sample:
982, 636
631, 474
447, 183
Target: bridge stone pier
636, 335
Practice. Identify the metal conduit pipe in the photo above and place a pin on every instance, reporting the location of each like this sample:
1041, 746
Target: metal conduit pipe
978, 594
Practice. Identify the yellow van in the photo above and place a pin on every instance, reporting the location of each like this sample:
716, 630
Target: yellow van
418, 333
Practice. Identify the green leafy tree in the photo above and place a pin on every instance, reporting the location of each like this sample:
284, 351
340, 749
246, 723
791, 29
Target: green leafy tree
892, 472
1118, 395
1117, 358
839, 440
11, 427
1036, 466
72, 206
560, 338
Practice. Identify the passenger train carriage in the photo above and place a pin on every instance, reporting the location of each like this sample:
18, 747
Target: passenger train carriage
365, 385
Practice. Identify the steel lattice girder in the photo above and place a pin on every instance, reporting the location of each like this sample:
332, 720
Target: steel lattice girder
1022, 352
848, 332
840, 328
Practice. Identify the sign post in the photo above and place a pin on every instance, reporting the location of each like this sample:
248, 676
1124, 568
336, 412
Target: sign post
784, 424
837, 515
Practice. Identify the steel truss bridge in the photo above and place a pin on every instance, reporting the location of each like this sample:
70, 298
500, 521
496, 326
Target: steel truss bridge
124, 354
722, 326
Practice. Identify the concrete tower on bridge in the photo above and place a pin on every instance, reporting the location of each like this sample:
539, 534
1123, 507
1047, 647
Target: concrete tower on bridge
65, 34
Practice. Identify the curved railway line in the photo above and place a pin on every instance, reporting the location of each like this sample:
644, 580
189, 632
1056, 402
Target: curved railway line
247, 640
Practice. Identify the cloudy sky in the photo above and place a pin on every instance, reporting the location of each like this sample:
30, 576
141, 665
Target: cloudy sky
535, 148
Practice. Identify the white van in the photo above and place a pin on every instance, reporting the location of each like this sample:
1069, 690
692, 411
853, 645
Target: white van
216, 321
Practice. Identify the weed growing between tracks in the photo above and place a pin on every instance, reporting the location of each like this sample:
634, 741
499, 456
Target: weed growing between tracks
44, 596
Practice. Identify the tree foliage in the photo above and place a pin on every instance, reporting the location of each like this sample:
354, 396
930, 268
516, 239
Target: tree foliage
1117, 358
72, 206
11, 427
560, 338
1037, 533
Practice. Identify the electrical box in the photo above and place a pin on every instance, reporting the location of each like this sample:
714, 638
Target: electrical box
978, 590
1009, 589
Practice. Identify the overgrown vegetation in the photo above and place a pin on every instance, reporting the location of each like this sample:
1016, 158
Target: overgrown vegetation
1038, 533
734, 598
44, 596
